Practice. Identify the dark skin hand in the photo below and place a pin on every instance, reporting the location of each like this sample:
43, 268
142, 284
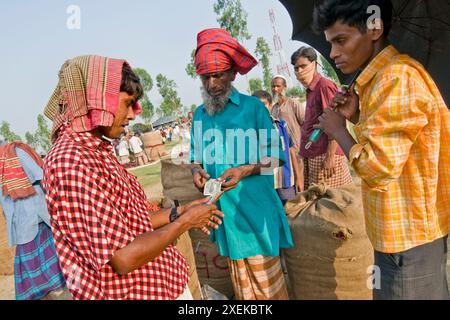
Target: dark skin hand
233, 176
329, 165
162, 217
333, 124
147, 246
347, 104
298, 171
200, 176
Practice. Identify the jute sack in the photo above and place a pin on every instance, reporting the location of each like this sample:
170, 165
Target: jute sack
152, 139
177, 182
6, 253
184, 245
155, 152
332, 255
212, 269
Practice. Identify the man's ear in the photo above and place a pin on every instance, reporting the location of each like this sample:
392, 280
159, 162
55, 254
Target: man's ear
377, 29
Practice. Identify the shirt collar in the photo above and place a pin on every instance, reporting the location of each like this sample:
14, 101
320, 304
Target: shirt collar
314, 82
380, 61
235, 97
87, 139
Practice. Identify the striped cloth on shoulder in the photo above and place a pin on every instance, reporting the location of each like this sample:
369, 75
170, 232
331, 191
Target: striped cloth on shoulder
13, 178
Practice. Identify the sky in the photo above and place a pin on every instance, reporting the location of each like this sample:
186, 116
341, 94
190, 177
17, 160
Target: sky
157, 35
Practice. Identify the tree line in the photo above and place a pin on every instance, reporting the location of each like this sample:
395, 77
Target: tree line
232, 17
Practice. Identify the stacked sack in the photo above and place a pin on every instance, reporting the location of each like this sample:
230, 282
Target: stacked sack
332, 257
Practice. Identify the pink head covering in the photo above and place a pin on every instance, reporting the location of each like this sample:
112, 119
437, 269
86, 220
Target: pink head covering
87, 95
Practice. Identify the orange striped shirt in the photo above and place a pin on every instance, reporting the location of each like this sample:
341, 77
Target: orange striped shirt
403, 153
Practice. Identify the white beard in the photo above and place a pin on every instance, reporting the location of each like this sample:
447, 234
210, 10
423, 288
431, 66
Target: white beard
215, 105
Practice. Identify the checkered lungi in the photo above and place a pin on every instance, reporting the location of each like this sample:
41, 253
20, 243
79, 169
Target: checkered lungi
314, 173
258, 278
36, 267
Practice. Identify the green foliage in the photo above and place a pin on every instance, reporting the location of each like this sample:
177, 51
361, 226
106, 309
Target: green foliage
146, 79
6, 133
328, 70
148, 110
193, 107
233, 18
42, 135
263, 54
30, 140
140, 127
40, 140
254, 85
171, 104
190, 68
296, 92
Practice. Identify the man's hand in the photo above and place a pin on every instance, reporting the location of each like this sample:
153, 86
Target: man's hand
200, 177
182, 209
231, 178
332, 123
329, 166
203, 216
299, 185
347, 104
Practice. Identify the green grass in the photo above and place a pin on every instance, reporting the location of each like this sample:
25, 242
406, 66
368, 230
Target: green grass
148, 176
170, 145
151, 175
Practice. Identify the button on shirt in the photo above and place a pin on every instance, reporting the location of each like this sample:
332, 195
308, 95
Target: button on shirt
96, 208
255, 222
403, 153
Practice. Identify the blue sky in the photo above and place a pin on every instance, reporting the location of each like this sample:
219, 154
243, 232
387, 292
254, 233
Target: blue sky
157, 35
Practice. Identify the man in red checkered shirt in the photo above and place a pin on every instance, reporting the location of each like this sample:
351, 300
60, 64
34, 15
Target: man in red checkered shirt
108, 244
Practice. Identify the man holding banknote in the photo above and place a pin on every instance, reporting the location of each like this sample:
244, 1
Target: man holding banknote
233, 141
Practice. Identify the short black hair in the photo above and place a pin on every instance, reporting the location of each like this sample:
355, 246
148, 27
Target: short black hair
131, 83
261, 94
306, 52
351, 12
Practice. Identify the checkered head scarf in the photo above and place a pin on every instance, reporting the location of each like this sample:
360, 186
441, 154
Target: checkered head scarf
87, 94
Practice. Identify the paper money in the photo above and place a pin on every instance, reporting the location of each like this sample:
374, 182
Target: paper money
212, 187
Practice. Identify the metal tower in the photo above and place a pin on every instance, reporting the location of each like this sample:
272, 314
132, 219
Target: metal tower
282, 67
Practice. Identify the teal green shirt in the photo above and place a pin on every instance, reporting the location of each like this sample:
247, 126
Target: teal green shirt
255, 222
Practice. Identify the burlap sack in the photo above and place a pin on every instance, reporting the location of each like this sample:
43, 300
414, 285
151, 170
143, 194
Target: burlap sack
155, 152
177, 182
332, 252
212, 269
152, 139
6, 253
184, 245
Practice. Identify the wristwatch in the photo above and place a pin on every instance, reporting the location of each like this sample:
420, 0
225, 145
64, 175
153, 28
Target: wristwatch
173, 214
